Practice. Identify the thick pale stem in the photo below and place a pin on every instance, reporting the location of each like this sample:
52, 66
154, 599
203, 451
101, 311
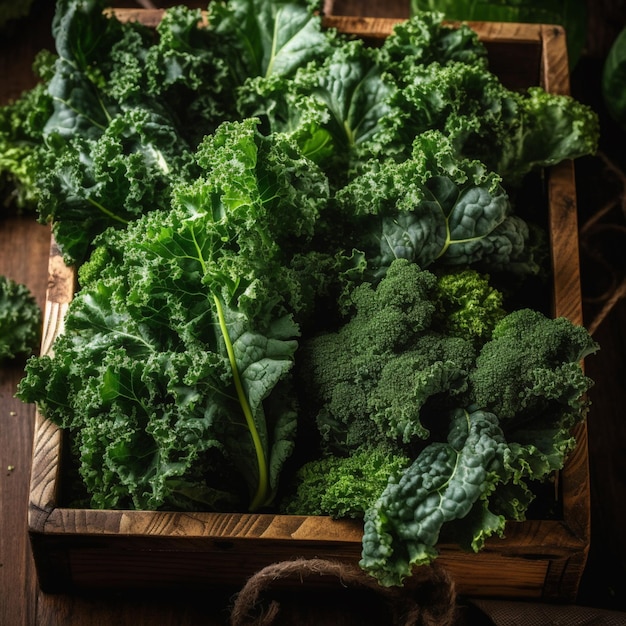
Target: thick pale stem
262, 487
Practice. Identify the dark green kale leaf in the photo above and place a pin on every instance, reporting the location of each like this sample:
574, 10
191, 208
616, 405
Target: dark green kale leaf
21, 142
442, 485
435, 207
344, 486
511, 132
267, 37
529, 371
92, 183
425, 38
377, 376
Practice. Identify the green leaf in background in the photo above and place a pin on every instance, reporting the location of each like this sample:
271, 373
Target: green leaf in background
21, 141
274, 37
11, 10
571, 14
614, 80
20, 320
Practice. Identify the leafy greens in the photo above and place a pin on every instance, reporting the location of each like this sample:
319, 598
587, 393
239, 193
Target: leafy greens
252, 203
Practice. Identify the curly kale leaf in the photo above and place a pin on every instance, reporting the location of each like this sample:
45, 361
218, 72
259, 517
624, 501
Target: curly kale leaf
91, 184
185, 70
188, 336
435, 206
530, 369
21, 142
570, 14
424, 38
84, 37
469, 305
335, 107
267, 37
511, 132
124, 120
442, 485
551, 128
331, 108
20, 320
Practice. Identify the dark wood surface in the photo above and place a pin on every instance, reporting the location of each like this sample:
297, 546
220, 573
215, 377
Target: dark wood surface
24, 250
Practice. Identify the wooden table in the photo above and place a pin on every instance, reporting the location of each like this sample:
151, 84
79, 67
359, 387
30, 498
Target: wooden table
24, 249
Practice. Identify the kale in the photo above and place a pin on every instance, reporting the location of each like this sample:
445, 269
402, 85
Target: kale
480, 410
281, 231
20, 320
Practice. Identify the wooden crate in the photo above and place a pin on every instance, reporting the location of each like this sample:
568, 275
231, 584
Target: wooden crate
537, 559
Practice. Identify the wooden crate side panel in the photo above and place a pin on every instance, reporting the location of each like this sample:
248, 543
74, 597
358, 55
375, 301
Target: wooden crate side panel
81, 567
232, 565
47, 440
563, 578
87, 548
555, 62
564, 246
192, 526
545, 538
129, 562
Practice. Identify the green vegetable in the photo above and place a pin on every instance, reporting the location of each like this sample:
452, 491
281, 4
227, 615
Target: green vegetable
21, 132
481, 414
344, 486
470, 305
364, 102
530, 367
177, 359
510, 132
613, 77
128, 111
386, 365
442, 485
268, 37
20, 320
436, 206
284, 241
130, 108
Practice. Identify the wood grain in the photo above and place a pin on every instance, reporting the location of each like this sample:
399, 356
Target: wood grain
16, 430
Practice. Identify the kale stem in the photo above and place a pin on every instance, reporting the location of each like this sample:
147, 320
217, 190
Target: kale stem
106, 211
262, 486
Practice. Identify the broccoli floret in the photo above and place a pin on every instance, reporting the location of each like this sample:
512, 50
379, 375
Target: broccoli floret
386, 362
469, 305
531, 367
344, 486
433, 371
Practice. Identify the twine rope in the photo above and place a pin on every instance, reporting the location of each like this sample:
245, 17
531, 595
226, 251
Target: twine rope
428, 599
595, 227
